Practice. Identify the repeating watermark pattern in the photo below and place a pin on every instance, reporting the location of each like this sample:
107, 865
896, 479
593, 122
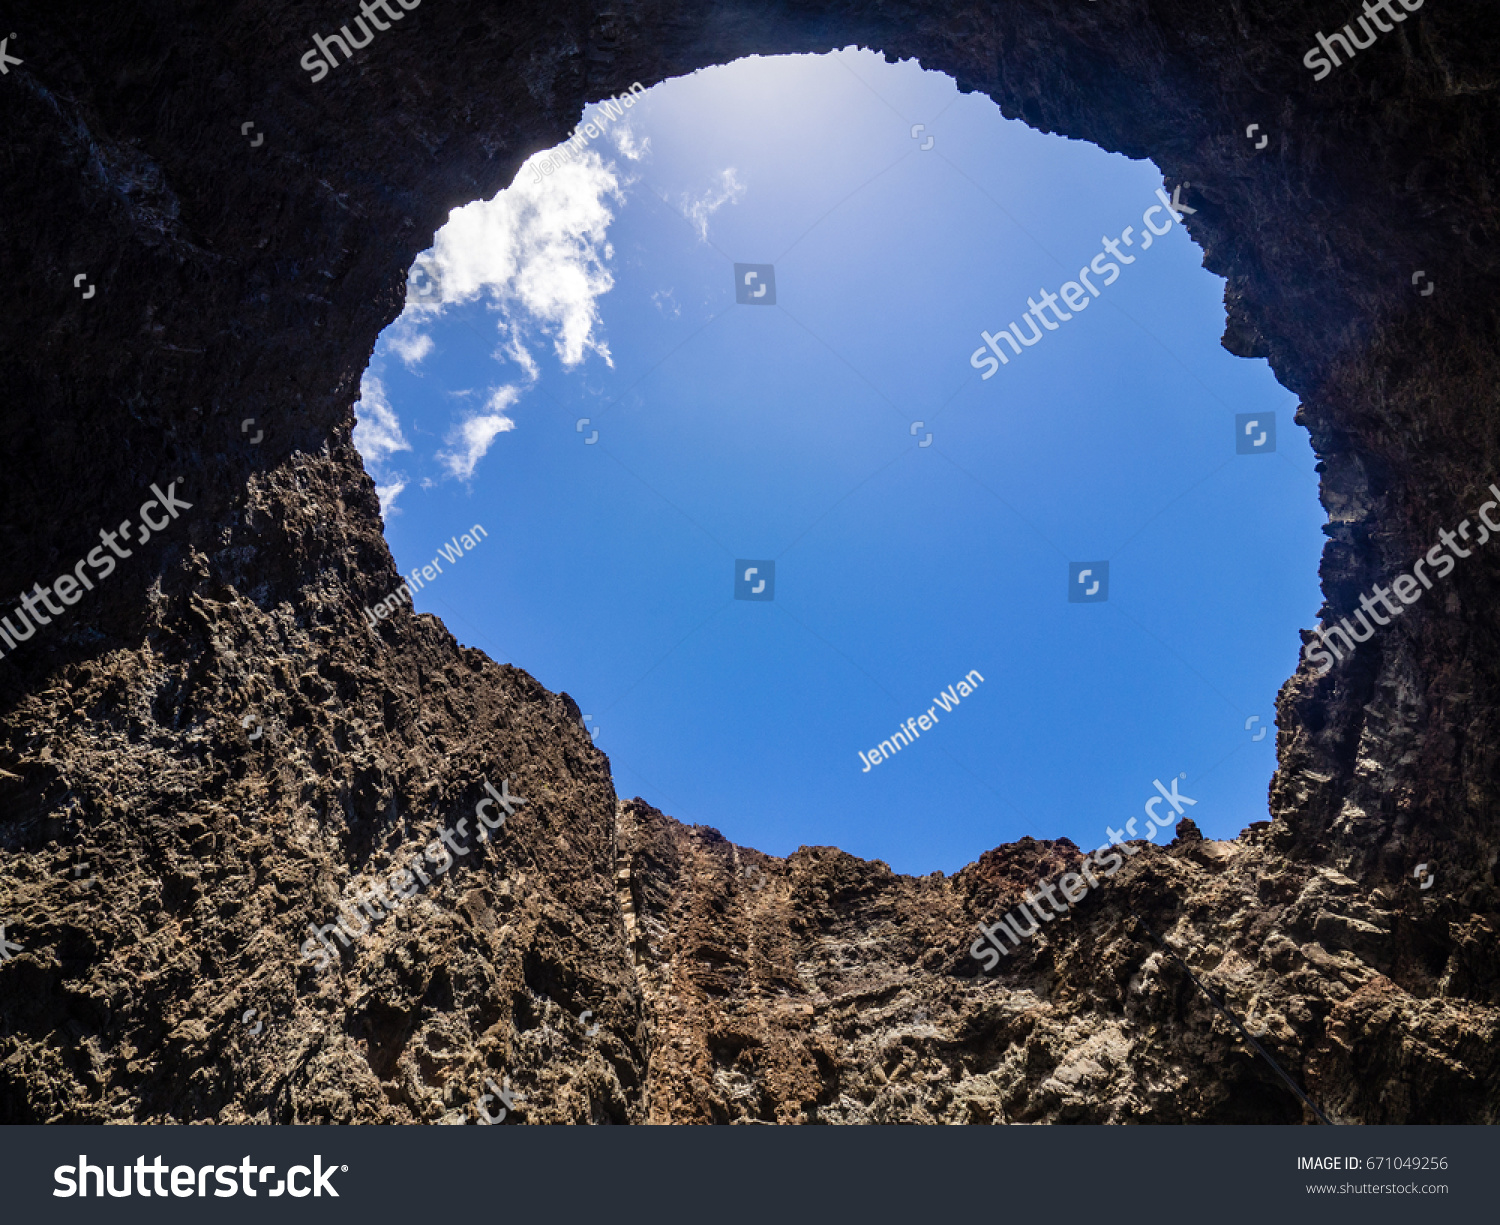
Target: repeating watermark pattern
250, 1015
1072, 292
1250, 135
754, 580
79, 280
1254, 433
1405, 588
1417, 278
6, 58
919, 425
69, 587
753, 876
615, 107
755, 284
1260, 735
256, 727
1318, 58
1075, 885
8, 948
593, 434
916, 130
914, 727
245, 429
1423, 876
507, 1095
592, 731
260, 137
321, 60
425, 280
192, 1182
1088, 582
1154, 820
450, 552
407, 882
503, 1093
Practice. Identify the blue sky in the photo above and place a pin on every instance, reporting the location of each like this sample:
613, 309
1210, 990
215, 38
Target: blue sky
725, 432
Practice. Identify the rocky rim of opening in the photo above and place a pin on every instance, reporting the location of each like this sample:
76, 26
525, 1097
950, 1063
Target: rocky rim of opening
213, 749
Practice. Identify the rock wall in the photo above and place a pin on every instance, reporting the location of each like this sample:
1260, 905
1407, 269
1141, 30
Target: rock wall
212, 749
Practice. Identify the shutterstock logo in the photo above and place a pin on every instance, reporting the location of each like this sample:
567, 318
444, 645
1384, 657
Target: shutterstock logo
188, 1181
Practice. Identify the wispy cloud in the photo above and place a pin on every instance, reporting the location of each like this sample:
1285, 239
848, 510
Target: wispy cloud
377, 429
537, 256
625, 141
470, 439
387, 495
410, 346
378, 436
727, 190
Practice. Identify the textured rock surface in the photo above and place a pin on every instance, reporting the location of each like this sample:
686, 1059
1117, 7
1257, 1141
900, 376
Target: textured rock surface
237, 281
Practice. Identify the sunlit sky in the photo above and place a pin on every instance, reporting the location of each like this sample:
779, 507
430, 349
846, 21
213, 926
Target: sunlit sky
721, 436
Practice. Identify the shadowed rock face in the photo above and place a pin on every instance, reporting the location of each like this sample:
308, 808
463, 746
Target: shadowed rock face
238, 281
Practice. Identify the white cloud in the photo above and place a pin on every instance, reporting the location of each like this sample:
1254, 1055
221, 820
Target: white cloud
377, 429
470, 440
387, 495
626, 143
410, 346
514, 348
537, 255
729, 190
378, 436
538, 252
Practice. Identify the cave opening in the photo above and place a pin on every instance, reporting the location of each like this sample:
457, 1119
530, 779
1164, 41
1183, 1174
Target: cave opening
852, 454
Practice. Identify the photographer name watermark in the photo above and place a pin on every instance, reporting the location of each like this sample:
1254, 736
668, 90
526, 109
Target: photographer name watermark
614, 108
914, 727
450, 553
